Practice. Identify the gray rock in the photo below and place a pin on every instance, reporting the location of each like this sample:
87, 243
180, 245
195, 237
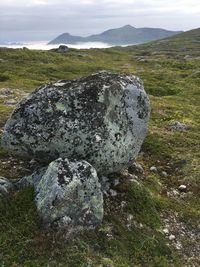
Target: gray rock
136, 168
164, 174
172, 237
182, 188
6, 92
101, 118
10, 102
5, 187
31, 180
63, 48
2, 60
177, 126
153, 169
69, 195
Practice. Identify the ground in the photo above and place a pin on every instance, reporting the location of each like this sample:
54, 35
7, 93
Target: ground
150, 222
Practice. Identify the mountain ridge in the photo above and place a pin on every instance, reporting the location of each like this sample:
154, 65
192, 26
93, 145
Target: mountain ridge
124, 35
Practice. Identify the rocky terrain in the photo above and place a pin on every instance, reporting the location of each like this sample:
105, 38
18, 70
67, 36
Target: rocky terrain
151, 209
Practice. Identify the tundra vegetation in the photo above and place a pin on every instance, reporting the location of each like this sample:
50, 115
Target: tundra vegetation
151, 220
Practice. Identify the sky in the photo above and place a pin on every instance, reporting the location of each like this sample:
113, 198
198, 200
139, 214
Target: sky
32, 20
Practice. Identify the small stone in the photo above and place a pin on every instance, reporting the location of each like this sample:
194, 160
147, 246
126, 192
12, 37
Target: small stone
6, 91
105, 185
141, 225
10, 102
178, 245
164, 174
166, 231
136, 168
153, 169
182, 188
130, 217
123, 204
113, 193
172, 237
5, 187
177, 126
116, 182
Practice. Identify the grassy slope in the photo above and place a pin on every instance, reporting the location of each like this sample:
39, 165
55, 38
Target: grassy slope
173, 85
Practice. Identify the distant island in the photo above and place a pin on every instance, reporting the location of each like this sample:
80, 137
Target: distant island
125, 35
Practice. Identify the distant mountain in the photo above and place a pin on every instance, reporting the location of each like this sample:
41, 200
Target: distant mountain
125, 35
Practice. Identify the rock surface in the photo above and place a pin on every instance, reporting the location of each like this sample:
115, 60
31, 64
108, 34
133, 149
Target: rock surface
5, 187
69, 195
101, 118
177, 126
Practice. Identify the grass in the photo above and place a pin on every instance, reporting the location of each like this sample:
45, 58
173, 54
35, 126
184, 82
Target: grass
130, 235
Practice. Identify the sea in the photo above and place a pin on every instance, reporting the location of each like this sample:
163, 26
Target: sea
43, 45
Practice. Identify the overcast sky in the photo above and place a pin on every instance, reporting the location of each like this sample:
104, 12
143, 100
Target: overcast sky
24, 20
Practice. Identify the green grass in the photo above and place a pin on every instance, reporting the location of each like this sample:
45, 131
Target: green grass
173, 86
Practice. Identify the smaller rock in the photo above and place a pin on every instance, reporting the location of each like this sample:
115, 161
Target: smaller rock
116, 182
105, 185
123, 204
69, 196
164, 174
136, 168
178, 245
63, 49
187, 57
153, 169
5, 187
182, 188
113, 193
166, 231
5, 91
177, 126
10, 102
2, 60
172, 237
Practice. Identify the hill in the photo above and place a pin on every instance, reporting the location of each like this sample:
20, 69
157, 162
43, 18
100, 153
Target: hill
148, 220
120, 36
186, 42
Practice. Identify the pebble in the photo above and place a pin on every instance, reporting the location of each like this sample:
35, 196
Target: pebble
164, 174
153, 169
166, 231
123, 204
182, 188
136, 168
178, 246
113, 193
172, 237
116, 182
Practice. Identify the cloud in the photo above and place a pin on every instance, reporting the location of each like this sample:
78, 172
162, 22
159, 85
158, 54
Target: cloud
47, 18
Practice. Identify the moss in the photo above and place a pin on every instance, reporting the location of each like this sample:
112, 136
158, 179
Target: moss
156, 146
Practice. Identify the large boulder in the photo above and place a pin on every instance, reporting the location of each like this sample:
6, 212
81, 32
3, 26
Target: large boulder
101, 118
69, 195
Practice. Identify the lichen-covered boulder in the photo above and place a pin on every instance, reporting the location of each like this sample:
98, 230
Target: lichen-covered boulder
101, 118
5, 187
69, 195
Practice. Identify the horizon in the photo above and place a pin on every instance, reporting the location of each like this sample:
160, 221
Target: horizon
38, 20
47, 40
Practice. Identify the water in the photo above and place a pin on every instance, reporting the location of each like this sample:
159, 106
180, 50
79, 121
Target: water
43, 45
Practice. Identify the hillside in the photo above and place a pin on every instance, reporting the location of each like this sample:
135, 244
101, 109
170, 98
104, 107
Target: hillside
185, 43
151, 221
120, 36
